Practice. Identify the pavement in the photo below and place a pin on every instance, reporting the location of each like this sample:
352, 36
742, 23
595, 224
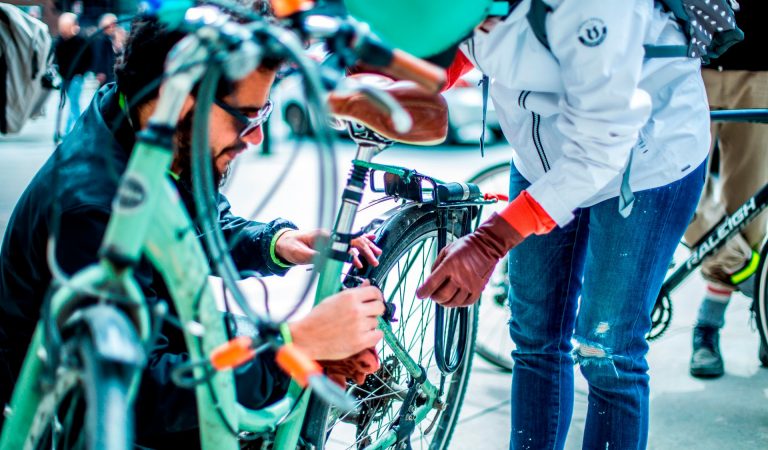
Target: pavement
726, 413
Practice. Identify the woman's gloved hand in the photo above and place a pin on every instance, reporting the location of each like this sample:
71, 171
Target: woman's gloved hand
463, 267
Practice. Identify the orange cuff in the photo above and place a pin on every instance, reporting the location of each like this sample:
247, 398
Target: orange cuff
527, 216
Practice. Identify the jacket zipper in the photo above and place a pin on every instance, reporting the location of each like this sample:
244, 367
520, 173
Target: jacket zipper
536, 137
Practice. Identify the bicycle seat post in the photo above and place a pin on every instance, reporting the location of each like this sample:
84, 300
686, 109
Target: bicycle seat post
369, 144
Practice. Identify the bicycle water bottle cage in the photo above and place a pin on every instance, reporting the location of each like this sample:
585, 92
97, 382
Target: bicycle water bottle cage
429, 112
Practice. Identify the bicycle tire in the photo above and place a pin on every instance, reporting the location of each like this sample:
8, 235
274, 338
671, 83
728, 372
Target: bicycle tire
493, 343
396, 242
761, 302
94, 397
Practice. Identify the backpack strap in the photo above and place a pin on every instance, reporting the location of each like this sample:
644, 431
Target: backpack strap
666, 51
537, 16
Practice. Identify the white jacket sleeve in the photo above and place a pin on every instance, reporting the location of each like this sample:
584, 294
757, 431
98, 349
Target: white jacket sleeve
599, 47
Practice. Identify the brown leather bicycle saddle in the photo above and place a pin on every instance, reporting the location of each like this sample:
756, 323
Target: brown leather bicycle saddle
428, 111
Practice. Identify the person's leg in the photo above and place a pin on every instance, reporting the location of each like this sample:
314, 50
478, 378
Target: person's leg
706, 360
74, 89
705, 355
627, 260
744, 158
545, 280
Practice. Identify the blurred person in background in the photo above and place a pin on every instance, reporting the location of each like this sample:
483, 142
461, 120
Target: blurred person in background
73, 58
738, 79
105, 47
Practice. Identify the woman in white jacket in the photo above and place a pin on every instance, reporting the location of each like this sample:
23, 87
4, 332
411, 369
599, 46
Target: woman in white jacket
608, 166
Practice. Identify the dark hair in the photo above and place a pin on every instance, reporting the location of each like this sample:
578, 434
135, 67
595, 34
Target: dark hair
143, 60
141, 66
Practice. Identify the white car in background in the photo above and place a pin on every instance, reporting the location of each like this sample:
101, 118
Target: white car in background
465, 109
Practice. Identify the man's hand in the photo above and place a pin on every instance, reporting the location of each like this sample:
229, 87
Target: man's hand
298, 247
462, 268
101, 77
342, 325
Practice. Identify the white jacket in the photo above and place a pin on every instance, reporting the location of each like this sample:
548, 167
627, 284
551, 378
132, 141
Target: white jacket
573, 114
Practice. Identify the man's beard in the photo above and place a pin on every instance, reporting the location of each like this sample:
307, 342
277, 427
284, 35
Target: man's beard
182, 159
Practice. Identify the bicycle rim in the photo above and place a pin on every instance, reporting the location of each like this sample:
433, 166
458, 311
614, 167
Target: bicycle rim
761, 295
87, 408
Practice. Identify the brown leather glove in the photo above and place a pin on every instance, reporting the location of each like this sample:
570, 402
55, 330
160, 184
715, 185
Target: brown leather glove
355, 367
463, 267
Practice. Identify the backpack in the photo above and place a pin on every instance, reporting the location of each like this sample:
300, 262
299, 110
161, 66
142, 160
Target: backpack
709, 25
26, 73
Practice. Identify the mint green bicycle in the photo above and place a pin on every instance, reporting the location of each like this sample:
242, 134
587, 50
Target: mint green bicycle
81, 373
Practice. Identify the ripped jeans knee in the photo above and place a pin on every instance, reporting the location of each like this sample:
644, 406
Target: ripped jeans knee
589, 353
595, 356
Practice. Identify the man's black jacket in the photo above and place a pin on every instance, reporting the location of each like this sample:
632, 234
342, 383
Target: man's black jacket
89, 163
104, 57
73, 56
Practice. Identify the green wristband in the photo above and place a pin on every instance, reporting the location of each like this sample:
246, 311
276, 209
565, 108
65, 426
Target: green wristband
285, 332
273, 246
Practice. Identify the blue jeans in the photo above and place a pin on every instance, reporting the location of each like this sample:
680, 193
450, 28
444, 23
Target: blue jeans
73, 88
616, 266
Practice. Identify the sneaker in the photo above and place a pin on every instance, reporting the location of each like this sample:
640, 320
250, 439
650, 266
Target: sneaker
706, 361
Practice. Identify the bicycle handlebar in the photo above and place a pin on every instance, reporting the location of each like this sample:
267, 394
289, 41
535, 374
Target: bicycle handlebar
355, 42
406, 66
290, 358
756, 115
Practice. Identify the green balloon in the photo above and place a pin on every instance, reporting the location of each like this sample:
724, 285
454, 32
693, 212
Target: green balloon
420, 27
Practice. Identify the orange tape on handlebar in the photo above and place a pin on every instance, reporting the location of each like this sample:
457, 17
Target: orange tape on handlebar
297, 364
285, 8
232, 354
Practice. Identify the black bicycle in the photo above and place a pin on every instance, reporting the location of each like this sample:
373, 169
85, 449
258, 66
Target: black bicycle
493, 343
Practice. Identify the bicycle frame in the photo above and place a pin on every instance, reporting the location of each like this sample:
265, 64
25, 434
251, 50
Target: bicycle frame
719, 235
330, 282
146, 196
149, 220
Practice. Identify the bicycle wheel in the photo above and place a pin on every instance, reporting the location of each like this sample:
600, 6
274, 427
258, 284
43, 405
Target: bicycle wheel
493, 342
761, 303
88, 406
409, 254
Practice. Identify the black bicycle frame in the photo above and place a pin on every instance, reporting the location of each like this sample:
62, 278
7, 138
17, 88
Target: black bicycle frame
717, 237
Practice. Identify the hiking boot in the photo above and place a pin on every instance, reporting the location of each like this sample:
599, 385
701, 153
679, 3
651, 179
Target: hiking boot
706, 361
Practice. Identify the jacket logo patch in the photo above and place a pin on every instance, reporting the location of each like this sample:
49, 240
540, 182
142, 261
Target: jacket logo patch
592, 32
